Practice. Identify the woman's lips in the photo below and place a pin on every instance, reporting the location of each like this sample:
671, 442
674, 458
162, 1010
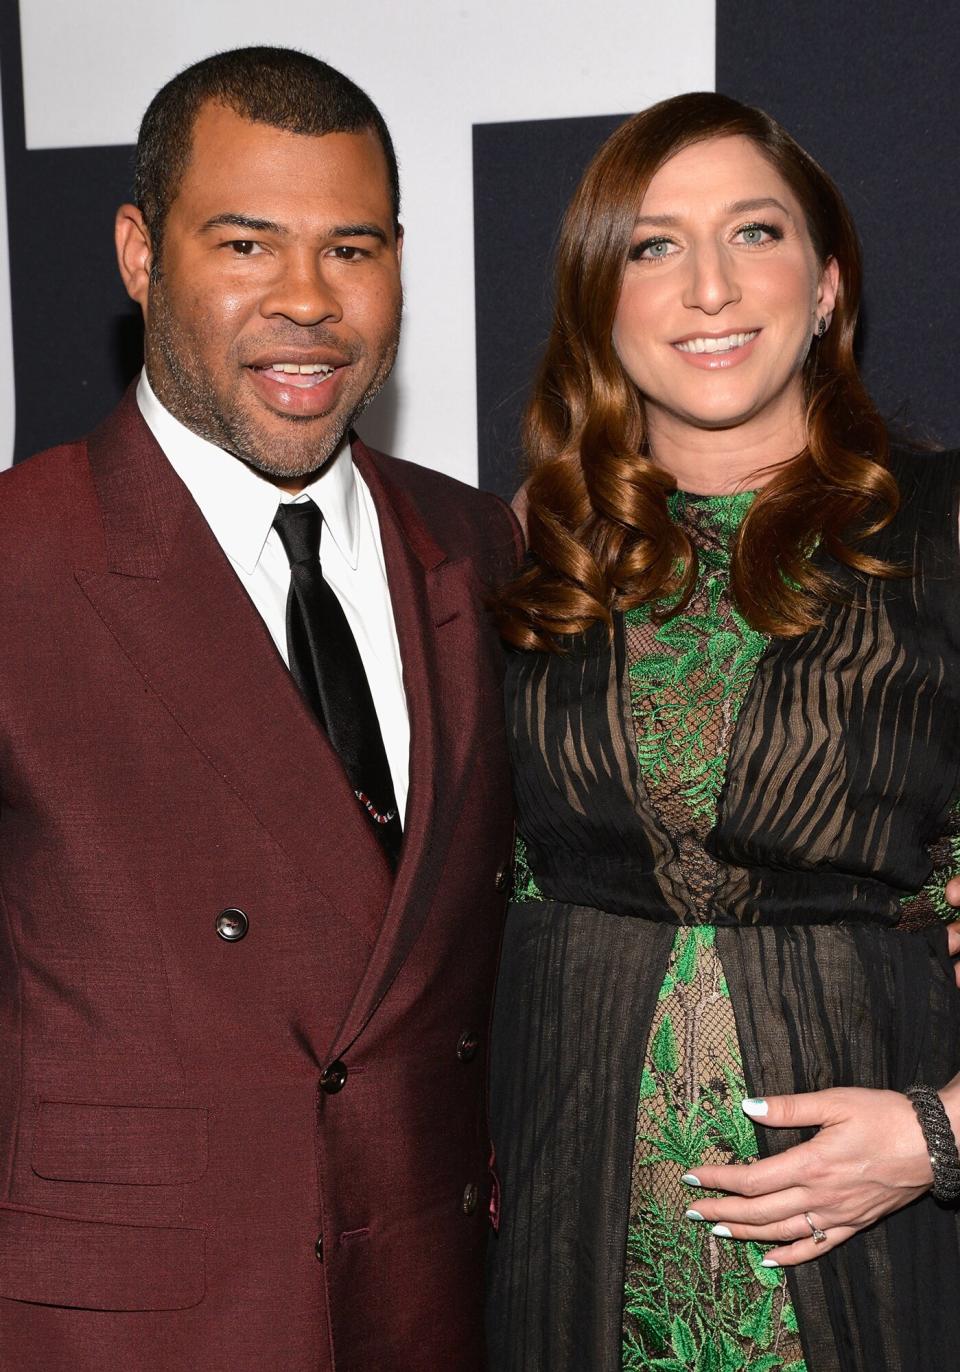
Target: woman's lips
717, 352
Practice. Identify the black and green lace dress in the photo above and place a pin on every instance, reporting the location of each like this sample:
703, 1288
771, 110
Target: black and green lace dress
730, 861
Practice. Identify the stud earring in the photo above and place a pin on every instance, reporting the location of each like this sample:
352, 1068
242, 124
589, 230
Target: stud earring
821, 326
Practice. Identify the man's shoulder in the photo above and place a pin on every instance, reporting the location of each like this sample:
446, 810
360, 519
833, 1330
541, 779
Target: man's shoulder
50, 523
430, 488
463, 520
43, 497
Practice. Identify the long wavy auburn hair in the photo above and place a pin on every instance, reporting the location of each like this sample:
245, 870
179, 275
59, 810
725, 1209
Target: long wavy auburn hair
600, 534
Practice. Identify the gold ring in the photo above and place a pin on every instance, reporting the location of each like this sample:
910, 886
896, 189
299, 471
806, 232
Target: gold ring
818, 1235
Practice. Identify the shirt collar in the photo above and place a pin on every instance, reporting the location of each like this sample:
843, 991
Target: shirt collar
238, 503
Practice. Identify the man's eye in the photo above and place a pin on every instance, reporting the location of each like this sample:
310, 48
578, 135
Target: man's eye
652, 250
243, 247
349, 252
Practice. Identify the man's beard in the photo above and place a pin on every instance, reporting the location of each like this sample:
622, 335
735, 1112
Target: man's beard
187, 391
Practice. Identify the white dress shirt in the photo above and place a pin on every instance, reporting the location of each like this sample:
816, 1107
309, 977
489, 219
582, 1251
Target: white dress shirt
240, 505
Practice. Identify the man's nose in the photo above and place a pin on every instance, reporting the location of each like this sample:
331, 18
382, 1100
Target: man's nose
712, 282
303, 291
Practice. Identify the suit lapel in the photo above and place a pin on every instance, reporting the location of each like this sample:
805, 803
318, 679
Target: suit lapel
172, 602
435, 605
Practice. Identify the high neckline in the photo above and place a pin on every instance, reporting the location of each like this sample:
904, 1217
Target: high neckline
711, 518
699, 498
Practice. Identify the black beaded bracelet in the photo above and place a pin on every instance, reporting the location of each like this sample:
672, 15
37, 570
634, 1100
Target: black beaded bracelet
940, 1141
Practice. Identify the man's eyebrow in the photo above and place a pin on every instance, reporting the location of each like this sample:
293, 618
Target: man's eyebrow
252, 225
243, 221
764, 202
358, 231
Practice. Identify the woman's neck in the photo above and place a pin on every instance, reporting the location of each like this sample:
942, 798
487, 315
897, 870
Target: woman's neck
719, 461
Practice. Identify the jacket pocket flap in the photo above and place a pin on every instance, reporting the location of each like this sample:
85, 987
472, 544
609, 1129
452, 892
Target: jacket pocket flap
54, 1260
142, 1145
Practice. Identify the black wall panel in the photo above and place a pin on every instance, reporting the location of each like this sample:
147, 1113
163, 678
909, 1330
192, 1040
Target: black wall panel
871, 91
76, 335
523, 175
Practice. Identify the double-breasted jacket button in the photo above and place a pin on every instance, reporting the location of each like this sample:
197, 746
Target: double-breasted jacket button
318, 1249
334, 1077
232, 925
467, 1045
502, 879
471, 1197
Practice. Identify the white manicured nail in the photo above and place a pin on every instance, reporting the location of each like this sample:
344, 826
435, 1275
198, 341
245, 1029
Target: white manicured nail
754, 1108
769, 1262
721, 1231
690, 1179
693, 1214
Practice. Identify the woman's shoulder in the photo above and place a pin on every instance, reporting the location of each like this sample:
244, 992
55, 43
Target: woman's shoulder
918, 466
927, 522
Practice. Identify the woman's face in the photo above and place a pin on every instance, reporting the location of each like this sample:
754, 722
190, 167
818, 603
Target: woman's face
721, 294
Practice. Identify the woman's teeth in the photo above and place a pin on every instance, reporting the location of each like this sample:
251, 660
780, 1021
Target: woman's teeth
716, 345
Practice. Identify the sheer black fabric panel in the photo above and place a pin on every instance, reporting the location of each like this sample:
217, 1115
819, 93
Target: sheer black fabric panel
841, 779
857, 1005
578, 986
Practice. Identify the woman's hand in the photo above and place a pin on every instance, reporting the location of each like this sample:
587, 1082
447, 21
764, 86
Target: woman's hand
953, 930
868, 1158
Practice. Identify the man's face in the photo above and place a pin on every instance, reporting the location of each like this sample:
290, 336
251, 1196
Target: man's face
275, 314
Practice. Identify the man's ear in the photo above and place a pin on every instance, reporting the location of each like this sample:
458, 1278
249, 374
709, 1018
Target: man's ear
399, 242
134, 253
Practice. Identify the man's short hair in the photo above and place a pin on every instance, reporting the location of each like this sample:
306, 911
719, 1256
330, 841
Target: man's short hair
278, 86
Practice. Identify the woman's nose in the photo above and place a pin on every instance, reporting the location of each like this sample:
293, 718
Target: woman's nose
712, 282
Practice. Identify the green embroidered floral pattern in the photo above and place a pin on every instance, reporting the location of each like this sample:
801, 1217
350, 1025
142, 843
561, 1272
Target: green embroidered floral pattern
694, 1302
699, 664
524, 883
930, 904
691, 1300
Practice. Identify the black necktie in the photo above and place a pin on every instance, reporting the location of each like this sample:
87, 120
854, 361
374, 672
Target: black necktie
326, 665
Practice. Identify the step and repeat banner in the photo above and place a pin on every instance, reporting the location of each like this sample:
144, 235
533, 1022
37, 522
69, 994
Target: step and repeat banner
494, 107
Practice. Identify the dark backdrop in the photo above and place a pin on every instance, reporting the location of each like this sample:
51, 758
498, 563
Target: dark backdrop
76, 334
870, 91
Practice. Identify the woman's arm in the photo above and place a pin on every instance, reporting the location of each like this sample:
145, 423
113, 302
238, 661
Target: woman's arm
868, 1158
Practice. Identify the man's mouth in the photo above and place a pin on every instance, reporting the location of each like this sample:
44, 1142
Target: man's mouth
727, 344
303, 375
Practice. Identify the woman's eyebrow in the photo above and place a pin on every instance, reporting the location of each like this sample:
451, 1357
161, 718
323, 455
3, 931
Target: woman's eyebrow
763, 202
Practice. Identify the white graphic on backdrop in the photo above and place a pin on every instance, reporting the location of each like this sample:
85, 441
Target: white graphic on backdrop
8, 412
435, 70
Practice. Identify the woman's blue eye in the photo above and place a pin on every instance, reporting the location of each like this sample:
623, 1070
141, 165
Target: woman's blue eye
756, 234
651, 249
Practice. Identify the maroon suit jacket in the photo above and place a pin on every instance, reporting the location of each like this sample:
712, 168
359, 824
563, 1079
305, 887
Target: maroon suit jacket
266, 1153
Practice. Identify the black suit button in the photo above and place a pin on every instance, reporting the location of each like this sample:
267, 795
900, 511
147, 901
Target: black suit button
467, 1046
232, 925
502, 879
318, 1249
334, 1077
471, 1196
